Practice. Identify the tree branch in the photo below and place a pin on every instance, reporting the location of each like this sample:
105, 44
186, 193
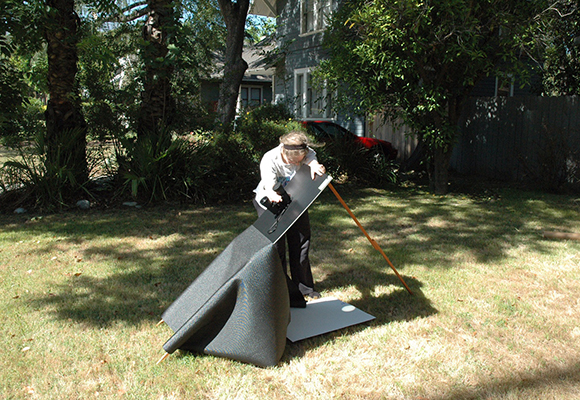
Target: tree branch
134, 14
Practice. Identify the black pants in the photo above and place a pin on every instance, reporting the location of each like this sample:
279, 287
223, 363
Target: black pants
298, 238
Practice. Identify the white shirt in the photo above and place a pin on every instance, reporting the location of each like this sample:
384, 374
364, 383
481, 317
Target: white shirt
273, 169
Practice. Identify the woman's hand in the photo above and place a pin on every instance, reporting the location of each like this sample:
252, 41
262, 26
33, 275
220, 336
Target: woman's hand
274, 197
316, 169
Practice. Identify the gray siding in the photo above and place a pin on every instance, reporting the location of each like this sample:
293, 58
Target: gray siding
303, 51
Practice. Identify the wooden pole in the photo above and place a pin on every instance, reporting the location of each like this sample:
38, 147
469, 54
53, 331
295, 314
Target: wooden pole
373, 242
162, 358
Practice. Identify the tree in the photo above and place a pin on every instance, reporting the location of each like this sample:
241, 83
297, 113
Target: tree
258, 28
419, 61
157, 103
65, 125
55, 21
234, 14
559, 28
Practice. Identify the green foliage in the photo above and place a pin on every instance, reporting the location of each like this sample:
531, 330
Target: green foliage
36, 181
270, 112
227, 170
107, 75
31, 120
203, 167
198, 36
346, 161
419, 60
112, 64
262, 127
559, 31
12, 99
420, 55
21, 114
258, 27
147, 165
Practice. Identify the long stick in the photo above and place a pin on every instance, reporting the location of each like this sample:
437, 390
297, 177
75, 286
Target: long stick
373, 242
162, 358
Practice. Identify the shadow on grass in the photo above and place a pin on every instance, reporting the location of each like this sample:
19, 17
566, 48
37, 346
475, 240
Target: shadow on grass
562, 382
139, 281
397, 305
413, 223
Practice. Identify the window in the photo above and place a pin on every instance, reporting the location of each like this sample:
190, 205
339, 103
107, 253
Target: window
313, 15
504, 89
250, 97
311, 102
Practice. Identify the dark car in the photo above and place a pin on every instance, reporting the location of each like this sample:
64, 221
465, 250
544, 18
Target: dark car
325, 131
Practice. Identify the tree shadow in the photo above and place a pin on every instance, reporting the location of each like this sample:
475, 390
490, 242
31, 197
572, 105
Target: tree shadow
566, 376
141, 283
415, 221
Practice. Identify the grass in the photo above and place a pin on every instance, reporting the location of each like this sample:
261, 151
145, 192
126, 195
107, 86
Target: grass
495, 315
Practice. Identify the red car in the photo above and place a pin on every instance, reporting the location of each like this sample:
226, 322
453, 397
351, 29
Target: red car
326, 130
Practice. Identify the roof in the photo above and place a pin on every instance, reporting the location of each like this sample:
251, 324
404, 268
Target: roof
255, 56
267, 8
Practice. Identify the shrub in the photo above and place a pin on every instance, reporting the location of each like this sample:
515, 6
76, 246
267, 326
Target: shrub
226, 170
262, 127
36, 182
270, 112
348, 162
204, 168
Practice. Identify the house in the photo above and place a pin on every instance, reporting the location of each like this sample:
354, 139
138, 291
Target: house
256, 86
301, 25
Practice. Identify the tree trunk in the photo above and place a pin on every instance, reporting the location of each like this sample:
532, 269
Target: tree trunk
65, 125
439, 171
441, 154
234, 14
157, 104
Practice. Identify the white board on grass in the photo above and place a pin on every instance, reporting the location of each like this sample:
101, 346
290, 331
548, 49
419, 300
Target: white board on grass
321, 316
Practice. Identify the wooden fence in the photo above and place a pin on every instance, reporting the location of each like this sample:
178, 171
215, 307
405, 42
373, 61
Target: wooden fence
519, 138
396, 133
510, 138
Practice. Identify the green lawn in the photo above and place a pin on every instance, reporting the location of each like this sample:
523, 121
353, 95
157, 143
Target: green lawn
495, 315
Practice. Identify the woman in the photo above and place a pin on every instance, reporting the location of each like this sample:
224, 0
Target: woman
279, 165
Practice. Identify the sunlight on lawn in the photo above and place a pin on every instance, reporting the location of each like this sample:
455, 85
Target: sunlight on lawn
495, 313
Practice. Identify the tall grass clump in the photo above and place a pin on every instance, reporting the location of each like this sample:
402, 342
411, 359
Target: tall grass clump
34, 180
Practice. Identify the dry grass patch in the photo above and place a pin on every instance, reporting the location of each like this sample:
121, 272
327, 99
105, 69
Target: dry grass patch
496, 312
